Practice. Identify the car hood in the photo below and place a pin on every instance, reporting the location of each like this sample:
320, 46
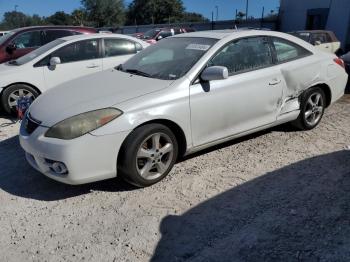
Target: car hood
96, 91
6, 70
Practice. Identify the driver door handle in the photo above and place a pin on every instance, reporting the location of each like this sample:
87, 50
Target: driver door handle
274, 82
93, 66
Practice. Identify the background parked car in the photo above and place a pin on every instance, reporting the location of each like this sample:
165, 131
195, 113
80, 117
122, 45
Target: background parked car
324, 40
62, 60
3, 33
346, 59
154, 35
21, 41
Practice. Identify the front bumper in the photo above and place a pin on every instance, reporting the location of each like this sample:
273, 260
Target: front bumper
88, 158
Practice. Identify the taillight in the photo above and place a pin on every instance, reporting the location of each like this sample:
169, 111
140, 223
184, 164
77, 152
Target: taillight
339, 61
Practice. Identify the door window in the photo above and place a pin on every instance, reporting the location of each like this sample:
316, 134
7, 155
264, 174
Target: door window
51, 35
165, 34
28, 40
119, 47
79, 51
287, 51
320, 38
244, 55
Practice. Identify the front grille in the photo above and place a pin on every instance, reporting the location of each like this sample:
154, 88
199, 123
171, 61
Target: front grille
31, 124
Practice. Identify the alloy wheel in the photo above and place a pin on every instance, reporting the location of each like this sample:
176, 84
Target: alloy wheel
15, 95
154, 156
314, 109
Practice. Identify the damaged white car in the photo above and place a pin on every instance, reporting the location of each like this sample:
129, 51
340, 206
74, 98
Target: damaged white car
184, 94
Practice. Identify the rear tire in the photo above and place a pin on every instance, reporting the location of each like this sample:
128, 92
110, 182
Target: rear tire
147, 155
312, 106
12, 93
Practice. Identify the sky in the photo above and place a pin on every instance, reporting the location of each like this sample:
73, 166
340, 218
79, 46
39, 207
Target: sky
226, 8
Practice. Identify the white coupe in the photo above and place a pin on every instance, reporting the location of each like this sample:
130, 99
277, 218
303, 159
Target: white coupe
184, 94
60, 61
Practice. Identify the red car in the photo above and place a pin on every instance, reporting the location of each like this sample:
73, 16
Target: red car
154, 35
24, 40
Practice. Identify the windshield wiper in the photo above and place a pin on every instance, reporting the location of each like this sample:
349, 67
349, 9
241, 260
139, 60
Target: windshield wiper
137, 72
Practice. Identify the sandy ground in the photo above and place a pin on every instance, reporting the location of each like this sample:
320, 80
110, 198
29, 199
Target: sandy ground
279, 195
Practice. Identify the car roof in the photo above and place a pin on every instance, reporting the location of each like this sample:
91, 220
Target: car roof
28, 28
221, 34
100, 35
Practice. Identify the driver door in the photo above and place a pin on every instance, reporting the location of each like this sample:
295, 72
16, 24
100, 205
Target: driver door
24, 43
246, 100
77, 60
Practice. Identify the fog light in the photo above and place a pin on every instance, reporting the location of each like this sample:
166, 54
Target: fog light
56, 167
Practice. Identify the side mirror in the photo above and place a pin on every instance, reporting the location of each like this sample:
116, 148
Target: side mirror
214, 73
159, 38
10, 48
318, 42
54, 61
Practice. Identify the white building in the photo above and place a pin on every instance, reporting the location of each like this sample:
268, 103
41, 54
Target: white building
333, 15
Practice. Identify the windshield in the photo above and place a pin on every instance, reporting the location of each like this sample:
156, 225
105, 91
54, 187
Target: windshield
302, 35
6, 36
170, 59
151, 33
38, 52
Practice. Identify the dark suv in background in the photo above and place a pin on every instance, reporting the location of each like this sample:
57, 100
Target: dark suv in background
21, 41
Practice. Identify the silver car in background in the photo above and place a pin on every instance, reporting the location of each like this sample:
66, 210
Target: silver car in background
184, 94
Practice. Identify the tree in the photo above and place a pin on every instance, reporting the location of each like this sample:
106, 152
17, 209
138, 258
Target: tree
154, 11
104, 12
37, 20
15, 19
59, 18
79, 17
240, 15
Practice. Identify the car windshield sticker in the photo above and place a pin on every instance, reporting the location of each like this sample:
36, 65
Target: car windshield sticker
198, 47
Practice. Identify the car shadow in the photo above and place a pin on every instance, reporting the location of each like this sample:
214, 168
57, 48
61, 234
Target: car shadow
19, 179
297, 213
281, 128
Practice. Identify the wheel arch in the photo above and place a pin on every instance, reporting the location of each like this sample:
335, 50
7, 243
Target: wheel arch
174, 127
21, 83
327, 91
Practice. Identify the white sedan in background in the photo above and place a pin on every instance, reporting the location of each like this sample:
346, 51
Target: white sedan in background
184, 94
63, 60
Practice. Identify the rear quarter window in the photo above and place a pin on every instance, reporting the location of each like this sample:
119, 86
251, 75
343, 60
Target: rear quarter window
287, 51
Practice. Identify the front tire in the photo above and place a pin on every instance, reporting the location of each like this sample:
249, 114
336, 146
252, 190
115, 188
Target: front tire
12, 93
312, 105
147, 155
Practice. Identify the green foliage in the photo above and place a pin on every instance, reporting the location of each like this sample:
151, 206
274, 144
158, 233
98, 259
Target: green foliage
16, 19
59, 18
79, 17
104, 12
240, 15
155, 11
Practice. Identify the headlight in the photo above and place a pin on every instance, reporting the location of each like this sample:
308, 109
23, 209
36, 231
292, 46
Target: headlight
82, 124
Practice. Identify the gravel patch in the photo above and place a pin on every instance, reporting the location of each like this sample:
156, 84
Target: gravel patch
279, 195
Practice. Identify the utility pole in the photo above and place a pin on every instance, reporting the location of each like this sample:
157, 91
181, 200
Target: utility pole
212, 20
246, 10
263, 13
217, 13
16, 8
